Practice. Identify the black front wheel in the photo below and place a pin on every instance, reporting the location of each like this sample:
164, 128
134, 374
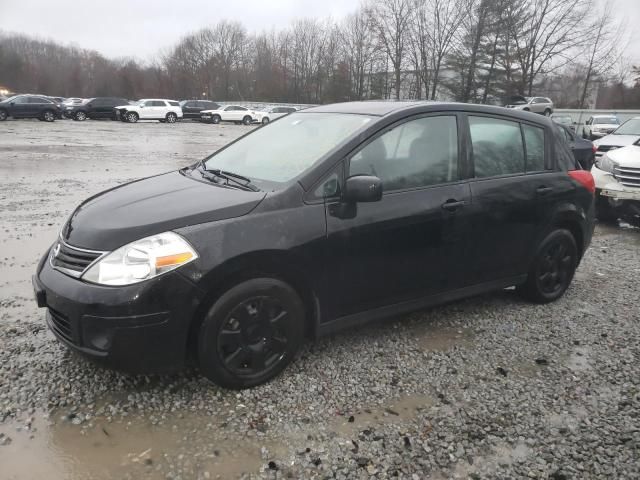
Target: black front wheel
251, 333
3, 115
48, 116
552, 269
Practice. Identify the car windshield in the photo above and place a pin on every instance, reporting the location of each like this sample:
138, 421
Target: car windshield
284, 149
630, 127
606, 120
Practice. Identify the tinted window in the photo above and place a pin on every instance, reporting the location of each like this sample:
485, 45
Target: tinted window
208, 105
19, 100
566, 160
39, 100
99, 102
172, 103
534, 142
413, 154
158, 103
606, 121
497, 147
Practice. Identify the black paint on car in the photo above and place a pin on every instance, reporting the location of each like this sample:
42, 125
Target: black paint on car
328, 218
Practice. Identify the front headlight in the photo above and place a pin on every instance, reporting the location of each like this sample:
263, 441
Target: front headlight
605, 163
142, 260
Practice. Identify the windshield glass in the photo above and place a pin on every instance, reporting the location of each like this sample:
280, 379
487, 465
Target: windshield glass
606, 120
284, 149
630, 127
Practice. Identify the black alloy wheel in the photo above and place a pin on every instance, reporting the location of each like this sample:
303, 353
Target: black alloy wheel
132, 117
251, 333
552, 269
81, 116
48, 116
171, 117
215, 119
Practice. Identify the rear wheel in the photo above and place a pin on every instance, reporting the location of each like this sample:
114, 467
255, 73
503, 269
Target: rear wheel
265, 120
246, 120
132, 117
81, 116
171, 117
3, 115
48, 116
547, 112
552, 269
251, 333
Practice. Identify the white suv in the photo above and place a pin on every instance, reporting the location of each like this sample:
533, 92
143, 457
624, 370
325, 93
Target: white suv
150, 109
229, 113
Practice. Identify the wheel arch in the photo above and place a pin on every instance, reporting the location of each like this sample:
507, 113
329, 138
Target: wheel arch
276, 264
570, 219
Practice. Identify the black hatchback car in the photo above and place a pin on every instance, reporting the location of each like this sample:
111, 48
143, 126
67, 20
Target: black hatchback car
328, 218
30, 106
95, 108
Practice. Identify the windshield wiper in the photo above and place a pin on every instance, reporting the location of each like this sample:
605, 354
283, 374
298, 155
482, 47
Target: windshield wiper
229, 177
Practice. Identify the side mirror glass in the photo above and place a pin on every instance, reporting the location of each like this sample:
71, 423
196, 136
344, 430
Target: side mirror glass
363, 188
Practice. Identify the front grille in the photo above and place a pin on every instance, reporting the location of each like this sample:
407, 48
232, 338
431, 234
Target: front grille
627, 176
72, 260
61, 325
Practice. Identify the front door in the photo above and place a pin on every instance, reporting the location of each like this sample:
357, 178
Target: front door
412, 243
20, 107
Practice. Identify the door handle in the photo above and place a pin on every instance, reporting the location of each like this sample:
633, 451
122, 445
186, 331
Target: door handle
543, 190
453, 205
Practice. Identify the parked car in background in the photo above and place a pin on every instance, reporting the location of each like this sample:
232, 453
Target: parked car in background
325, 219
541, 105
626, 134
73, 101
168, 111
193, 108
229, 113
95, 108
565, 120
598, 126
30, 106
617, 178
583, 150
265, 116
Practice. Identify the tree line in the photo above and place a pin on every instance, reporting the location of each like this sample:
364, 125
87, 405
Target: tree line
481, 51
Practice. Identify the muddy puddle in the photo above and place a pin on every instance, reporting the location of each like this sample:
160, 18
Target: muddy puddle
59, 450
437, 338
401, 410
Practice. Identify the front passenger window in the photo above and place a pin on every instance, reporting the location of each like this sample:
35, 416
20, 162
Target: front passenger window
416, 153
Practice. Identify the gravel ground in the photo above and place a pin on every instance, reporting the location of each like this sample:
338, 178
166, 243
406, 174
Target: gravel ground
490, 387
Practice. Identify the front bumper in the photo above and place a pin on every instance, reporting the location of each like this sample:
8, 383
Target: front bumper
609, 187
140, 328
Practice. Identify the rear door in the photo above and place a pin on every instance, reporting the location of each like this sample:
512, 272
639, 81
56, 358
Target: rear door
191, 109
37, 105
514, 190
412, 243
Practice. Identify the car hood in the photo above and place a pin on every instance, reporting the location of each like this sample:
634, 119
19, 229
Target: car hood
153, 205
617, 140
626, 157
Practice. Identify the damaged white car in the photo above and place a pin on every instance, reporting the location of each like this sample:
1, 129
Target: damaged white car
617, 177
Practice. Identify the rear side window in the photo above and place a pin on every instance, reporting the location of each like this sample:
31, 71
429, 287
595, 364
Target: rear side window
564, 156
174, 104
534, 142
416, 153
497, 147
39, 100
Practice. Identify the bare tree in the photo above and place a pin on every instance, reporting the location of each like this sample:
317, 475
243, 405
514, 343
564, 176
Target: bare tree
359, 49
391, 20
604, 48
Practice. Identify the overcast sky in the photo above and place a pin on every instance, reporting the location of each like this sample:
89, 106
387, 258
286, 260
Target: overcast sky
141, 28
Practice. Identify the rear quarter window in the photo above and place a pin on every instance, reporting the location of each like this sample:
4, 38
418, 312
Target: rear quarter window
174, 104
564, 156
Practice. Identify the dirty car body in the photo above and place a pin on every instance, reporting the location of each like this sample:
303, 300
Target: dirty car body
332, 217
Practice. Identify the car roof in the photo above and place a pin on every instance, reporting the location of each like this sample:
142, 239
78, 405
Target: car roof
605, 116
381, 108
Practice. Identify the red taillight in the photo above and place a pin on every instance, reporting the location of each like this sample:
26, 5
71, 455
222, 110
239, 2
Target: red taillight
585, 179
594, 148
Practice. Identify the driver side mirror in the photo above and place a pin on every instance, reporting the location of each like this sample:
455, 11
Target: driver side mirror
363, 188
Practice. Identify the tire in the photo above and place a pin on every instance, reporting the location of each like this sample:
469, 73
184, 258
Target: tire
48, 116
240, 333
3, 115
80, 116
552, 268
132, 117
171, 117
247, 120
547, 112
215, 119
605, 213
265, 120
